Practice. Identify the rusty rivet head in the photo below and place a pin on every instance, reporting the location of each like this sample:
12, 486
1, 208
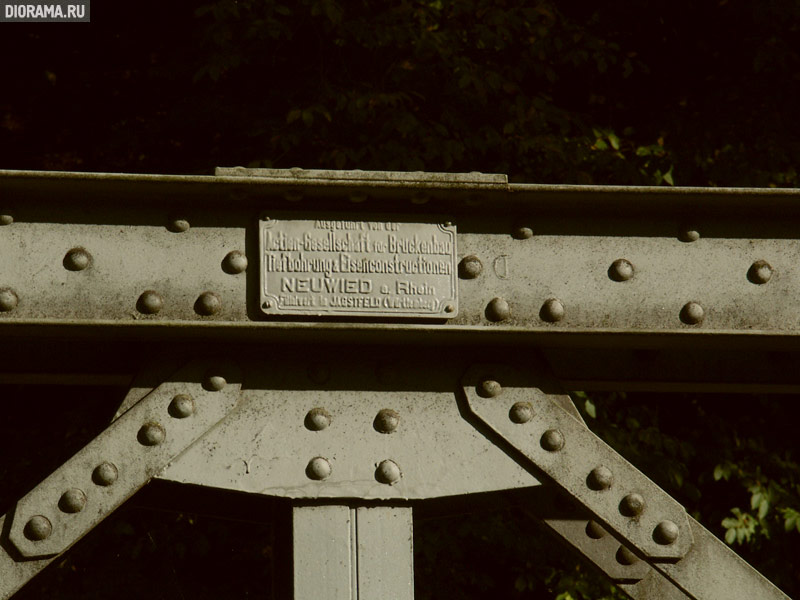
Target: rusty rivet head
317, 419
470, 267
181, 407
207, 304
386, 421
77, 259
760, 272
620, 270
626, 557
688, 234
72, 501
178, 225
214, 382
521, 412
38, 528
632, 505
552, 310
105, 474
692, 313
665, 533
489, 388
498, 310
151, 434
8, 300
6, 220
600, 478
318, 468
594, 530
388, 472
234, 262
552, 440
150, 302
522, 233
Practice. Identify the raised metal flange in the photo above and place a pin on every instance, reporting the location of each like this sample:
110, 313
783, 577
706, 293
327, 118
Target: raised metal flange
621, 497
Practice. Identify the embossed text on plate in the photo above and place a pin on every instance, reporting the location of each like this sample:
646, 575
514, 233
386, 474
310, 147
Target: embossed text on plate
372, 268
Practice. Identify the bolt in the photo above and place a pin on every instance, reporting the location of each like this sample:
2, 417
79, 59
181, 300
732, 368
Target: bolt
150, 302
552, 440
77, 259
388, 472
214, 383
181, 407
600, 478
178, 225
470, 267
105, 474
498, 310
552, 310
521, 412
665, 533
522, 233
318, 469
689, 234
632, 505
760, 272
489, 388
6, 219
317, 419
626, 557
207, 304
151, 434
8, 299
72, 501
620, 270
692, 313
234, 262
38, 528
386, 421
594, 530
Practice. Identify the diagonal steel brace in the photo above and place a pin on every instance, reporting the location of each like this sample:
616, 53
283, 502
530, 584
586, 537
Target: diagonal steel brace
100, 477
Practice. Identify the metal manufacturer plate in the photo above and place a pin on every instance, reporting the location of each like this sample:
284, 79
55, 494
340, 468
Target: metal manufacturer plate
370, 268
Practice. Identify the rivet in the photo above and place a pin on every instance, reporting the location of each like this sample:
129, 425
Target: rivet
498, 310
600, 478
214, 383
151, 434
470, 267
522, 233
6, 219
447, 224
181, 407
594, 530
552, 440
626, 557
208, 303
150, 302
358, 198
317, 419
489, 388
8, 299
665, 533
689, 234
692, 313
449, 308
38, 528
77, 259
388, 472
620, 270
386, 421
552, 310
319, 373
521, 412
631, 505
105, 474
318, 469
234, 262
760, 272
178, 225
72, 501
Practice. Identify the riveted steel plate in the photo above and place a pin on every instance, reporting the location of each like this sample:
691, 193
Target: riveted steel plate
376, 267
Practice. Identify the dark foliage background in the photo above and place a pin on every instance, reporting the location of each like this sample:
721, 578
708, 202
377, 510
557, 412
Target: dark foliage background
657, 93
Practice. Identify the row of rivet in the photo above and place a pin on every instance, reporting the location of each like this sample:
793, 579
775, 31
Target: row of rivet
105, 474
599, 479
386, 421
319, 468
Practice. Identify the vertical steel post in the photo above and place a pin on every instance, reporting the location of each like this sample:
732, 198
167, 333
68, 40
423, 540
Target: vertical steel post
353, 553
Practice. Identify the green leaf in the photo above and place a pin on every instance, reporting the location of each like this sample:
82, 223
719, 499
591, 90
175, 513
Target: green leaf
730, 536
614, 140
763, 509
600, 145
590, 408
668, 176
